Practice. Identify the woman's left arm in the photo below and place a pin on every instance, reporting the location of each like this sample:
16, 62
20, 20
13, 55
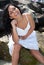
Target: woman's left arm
32, 26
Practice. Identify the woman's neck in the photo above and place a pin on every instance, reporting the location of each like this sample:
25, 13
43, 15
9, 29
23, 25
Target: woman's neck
19, 19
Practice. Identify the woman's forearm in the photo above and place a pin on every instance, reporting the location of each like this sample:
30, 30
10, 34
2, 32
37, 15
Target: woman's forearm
15, 36
14, 33
32, 25
30, 31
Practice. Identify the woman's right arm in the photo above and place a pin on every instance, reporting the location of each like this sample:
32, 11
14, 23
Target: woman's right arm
14, 33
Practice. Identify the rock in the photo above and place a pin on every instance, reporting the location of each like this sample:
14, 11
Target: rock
4, 51
40, 38
25, 57
4, 38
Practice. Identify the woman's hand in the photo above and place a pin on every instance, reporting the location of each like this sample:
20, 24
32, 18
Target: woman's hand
23, 37
13, 23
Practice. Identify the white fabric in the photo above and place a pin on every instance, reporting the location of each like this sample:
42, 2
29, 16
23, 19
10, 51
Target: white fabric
22, 32
30, 42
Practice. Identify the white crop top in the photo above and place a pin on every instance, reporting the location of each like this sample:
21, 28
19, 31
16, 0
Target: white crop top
22, 32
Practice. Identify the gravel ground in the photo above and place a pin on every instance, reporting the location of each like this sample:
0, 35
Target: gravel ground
2, 62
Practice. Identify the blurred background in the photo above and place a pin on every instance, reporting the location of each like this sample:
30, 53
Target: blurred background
36, 9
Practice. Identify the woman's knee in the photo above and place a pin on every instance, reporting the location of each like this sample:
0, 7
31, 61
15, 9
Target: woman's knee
34, 51
17, 47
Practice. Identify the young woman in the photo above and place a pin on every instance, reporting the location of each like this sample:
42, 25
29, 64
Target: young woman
23, 34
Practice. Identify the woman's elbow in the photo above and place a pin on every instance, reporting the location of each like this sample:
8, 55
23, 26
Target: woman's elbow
33, 27
16, 40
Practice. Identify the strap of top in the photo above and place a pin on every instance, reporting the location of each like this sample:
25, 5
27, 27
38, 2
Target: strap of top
26, 16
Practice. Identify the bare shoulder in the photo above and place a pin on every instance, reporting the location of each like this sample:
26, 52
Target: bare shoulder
27, 14
30, 18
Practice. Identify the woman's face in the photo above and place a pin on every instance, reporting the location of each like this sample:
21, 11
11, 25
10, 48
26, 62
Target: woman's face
13, 12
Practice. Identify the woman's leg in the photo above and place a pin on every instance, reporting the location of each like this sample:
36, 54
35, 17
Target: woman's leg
38, 55
15, 54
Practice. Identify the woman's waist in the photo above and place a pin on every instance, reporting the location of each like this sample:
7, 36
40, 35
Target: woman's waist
24, 33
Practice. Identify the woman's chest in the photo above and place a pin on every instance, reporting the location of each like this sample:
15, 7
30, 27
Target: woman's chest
22, 32
22, 25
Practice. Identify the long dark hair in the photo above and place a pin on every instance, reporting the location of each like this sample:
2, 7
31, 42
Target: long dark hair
6, 18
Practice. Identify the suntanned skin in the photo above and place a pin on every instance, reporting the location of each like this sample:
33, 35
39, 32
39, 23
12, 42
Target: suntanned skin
20, 25
21, 22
